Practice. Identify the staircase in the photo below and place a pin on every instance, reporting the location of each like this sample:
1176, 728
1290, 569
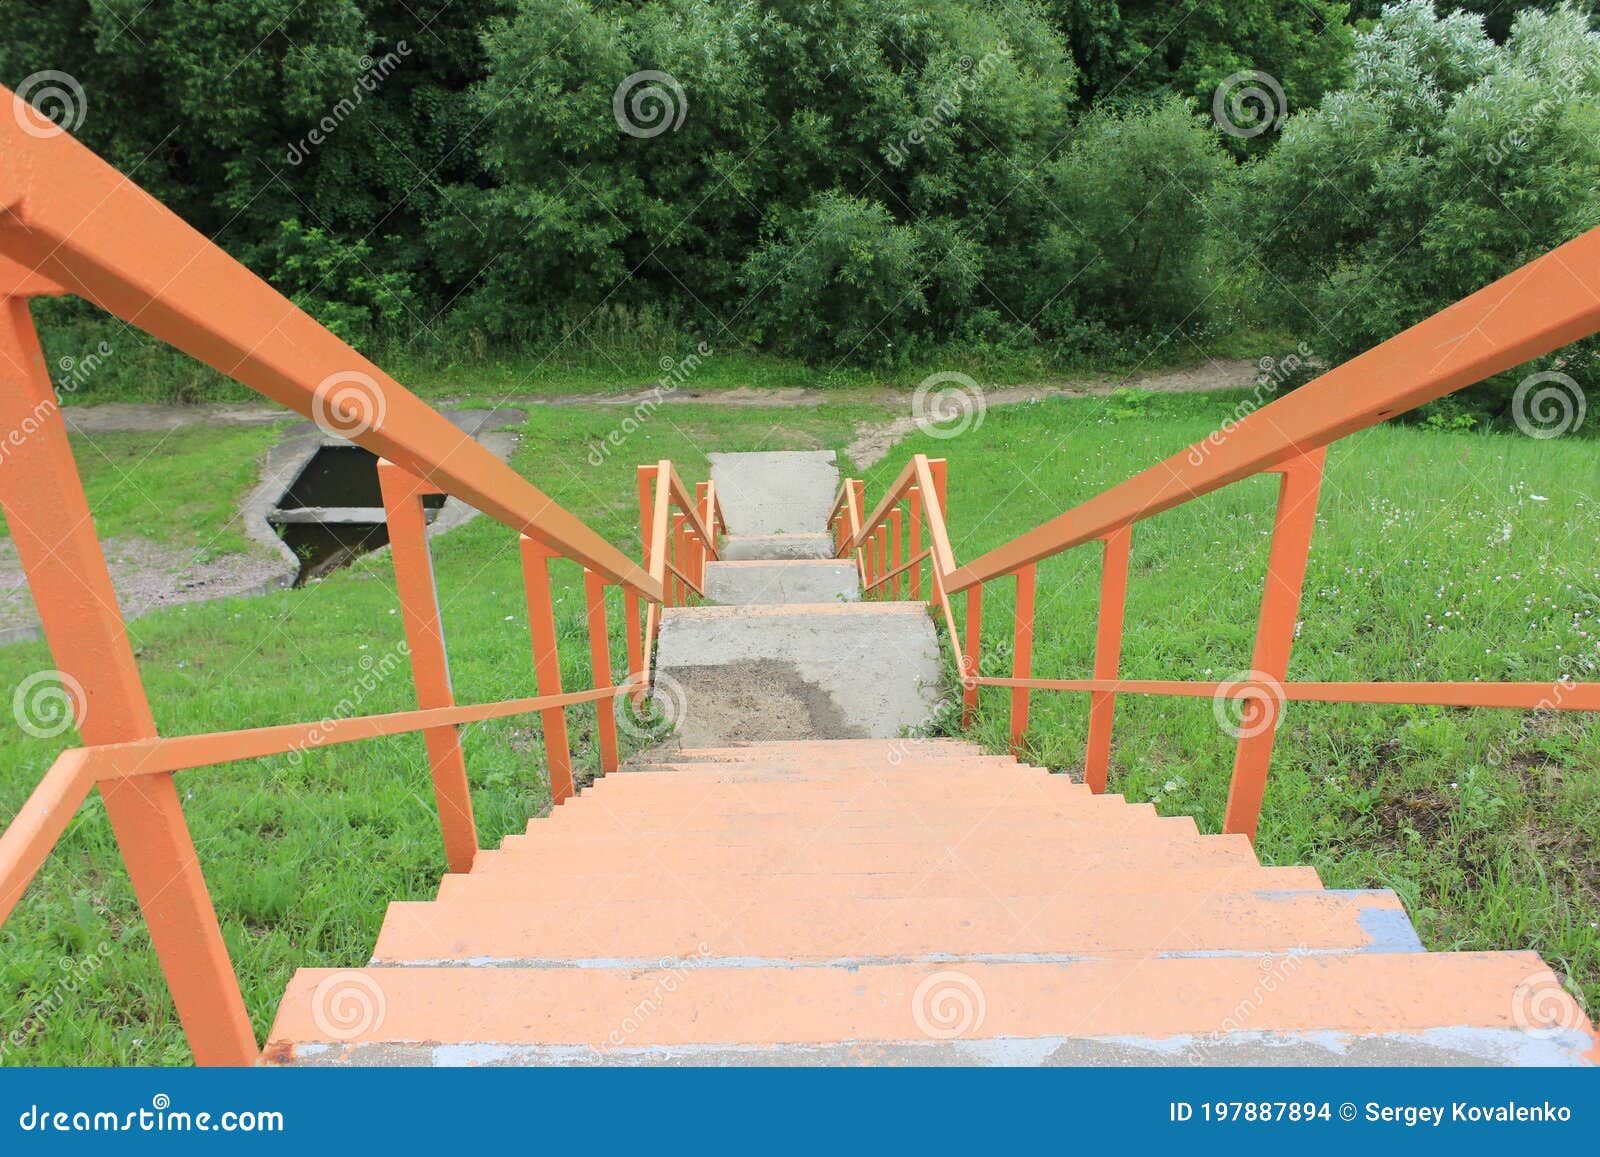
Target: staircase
797, 885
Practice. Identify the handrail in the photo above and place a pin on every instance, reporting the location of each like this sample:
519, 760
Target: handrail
1548, 303
69, 217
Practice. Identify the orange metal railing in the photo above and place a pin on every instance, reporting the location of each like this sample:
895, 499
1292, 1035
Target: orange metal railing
1541, 307
71, 223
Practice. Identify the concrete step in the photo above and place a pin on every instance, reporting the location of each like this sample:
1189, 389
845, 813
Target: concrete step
1414, 1009
776, 492
834, 926
819, 753
643, 882
775, 547
800, 581
811, 671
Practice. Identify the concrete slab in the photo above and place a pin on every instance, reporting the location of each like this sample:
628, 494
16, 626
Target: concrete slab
776, 492
748, 547
794, 581
807, 671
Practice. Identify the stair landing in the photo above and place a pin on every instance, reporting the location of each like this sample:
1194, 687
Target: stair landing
904, 902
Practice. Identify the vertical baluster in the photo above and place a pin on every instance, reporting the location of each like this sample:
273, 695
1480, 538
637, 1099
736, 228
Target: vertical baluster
680, 557
51, 528
970, 668
594, 590
547, 664
403, 493
896, 533
915, 519
1022, 655
936, 470
1107, 655
1293, 526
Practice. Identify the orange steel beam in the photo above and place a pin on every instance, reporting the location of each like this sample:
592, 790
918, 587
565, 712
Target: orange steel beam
594, 589
1107, 655
71, 219
969, 661
896, 535
1293, 525
1546, 304
914, 530
910, 565
403, 493
1022, 655
536, 558
48, 517
1559, 695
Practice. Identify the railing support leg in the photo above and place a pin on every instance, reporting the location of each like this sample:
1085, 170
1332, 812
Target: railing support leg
895, 536
937, 470
547, 665
48, 516
634, 629
430, 664
1022, 655
1107, 655
914, 499
1293, 526
969, 662
594, 589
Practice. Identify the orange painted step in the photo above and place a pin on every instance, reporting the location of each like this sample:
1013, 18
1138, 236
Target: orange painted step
644, 883
1055, 858
1150, 1000
832, 925
725, 816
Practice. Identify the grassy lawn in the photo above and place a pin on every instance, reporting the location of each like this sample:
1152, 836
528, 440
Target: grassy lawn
302, 859
1437, 557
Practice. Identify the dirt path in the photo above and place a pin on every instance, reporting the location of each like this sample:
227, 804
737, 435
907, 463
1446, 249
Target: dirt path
112, 417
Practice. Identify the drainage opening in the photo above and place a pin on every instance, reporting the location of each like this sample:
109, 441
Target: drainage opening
333, 510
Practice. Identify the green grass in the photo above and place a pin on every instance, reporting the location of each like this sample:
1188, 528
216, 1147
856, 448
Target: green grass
1436, 557
302, 859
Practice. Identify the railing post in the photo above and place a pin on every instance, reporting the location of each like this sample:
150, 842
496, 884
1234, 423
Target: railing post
914, 499
1022, 655
633, 628
937, 470
679, 556
430, 664
1292, 529
547, 664
1107, 655
48, 516
896, 533
594, 589
880, 538
969, 662
647, 503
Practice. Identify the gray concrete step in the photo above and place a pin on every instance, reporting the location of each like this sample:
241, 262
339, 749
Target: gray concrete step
775, 547
803, 671
776, 492
793, 581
